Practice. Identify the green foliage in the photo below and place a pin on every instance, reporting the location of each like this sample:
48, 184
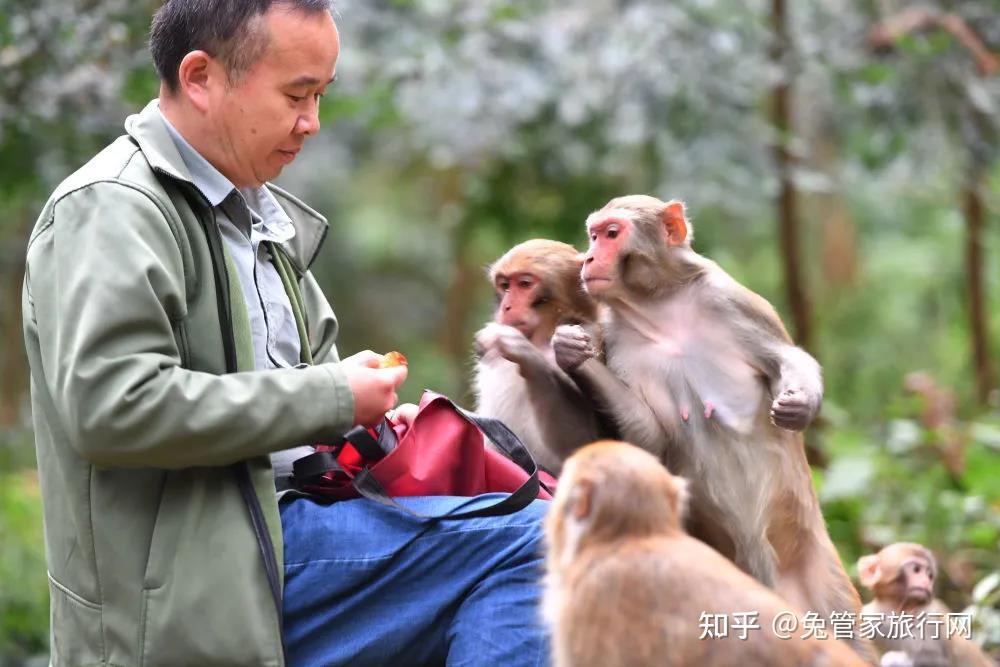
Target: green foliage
24, 595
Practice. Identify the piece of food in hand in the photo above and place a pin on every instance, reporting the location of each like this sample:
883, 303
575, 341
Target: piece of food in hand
392, 359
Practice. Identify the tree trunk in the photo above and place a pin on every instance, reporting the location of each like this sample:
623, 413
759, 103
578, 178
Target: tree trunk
974, 211
782, 115
455, 335
788, 217
13, 359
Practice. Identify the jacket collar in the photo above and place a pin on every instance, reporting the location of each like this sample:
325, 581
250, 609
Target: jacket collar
148, 130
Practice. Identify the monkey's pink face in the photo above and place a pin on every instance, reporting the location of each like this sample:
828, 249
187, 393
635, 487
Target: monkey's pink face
519, 296
918, 578
608, 232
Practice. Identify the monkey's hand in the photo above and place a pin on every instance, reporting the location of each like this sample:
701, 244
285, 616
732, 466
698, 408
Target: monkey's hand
572, 346
514, 347
485, 340
794, 409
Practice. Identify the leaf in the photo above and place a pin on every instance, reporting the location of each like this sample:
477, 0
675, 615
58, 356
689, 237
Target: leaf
846, 478
985, 587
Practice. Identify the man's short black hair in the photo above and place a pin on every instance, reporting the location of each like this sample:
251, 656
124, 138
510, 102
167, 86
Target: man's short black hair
228, 30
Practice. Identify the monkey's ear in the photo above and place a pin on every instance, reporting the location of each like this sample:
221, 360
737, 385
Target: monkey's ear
869, 571
675, 223
679, 497
582, 492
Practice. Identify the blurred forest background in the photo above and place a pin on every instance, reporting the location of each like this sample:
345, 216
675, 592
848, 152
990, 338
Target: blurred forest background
840, 157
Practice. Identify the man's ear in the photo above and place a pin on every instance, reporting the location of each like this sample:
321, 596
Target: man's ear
869, 571
195, 75
675, 223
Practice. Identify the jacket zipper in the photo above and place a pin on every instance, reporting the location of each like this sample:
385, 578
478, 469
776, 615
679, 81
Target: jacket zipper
242, 469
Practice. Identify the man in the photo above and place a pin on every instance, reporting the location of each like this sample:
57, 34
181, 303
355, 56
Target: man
176, 338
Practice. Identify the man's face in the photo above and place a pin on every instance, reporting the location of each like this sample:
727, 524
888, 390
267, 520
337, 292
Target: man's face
262, 121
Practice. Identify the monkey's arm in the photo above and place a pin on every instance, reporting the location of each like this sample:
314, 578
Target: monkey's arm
575, 354
798, 389
793, 375
565, 417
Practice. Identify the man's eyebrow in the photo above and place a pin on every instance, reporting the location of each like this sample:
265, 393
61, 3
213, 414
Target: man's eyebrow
307, 80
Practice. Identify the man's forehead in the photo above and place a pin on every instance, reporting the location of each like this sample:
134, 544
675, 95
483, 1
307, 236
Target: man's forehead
307, 41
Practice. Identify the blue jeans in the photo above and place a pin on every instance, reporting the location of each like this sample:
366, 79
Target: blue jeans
370, 585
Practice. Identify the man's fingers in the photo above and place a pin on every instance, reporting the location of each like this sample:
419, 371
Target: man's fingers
365, 358
398, 375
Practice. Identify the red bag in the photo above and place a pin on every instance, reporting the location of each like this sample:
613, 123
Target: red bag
442, 453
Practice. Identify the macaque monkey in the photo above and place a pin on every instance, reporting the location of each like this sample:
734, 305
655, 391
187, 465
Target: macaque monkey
901, 578
538, 287
627, 587
701, 372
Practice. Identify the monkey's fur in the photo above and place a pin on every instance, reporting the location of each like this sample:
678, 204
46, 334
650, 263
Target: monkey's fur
626, 587
516, 378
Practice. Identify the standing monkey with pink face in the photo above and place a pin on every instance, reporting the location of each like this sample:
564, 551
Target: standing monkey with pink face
701, 372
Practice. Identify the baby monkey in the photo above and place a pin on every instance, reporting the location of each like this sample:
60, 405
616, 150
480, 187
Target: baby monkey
901, 577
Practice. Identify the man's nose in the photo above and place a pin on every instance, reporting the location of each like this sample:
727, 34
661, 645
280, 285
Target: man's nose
308, 123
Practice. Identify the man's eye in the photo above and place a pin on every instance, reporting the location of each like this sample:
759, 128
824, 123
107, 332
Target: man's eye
296, 98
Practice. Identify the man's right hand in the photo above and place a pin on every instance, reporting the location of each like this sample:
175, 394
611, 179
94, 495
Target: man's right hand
374, 388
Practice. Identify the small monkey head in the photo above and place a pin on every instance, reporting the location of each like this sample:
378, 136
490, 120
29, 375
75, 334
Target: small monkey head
631, 241
901, 574
538, 287
612, 490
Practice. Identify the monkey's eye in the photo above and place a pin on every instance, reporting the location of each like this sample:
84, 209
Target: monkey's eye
525, 283
613, 233
593, 237
503, 285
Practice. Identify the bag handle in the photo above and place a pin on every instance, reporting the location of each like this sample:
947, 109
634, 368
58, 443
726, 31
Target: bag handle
319, 463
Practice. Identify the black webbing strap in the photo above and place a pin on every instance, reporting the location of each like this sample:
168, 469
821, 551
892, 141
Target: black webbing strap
319, 463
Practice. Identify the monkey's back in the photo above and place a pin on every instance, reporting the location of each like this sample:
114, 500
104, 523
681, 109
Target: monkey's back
644, 602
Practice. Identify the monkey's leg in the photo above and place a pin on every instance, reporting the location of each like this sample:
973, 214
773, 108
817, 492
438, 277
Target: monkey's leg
817, 582
755, 556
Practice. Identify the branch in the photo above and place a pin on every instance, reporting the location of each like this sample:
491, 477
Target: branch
884, 35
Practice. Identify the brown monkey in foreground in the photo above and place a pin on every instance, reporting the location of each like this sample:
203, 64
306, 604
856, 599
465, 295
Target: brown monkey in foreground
538, 287
625, 586
701, 372
901, 577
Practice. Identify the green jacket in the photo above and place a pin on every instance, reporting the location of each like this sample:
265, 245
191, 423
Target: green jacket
141, 429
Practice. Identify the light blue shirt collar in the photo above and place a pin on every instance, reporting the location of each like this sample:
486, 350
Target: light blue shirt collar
268, 218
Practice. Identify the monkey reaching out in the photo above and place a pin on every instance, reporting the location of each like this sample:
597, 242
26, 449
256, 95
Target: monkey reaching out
626, 587
701, 372
538, 287
901, 577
